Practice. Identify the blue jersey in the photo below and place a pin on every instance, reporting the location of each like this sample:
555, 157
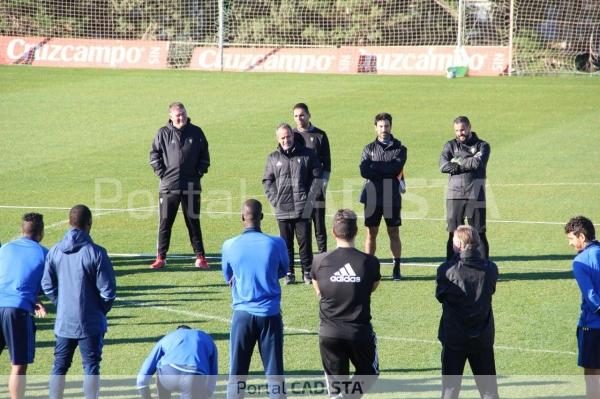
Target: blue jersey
184, 349
21, 270
254, 262
586, 269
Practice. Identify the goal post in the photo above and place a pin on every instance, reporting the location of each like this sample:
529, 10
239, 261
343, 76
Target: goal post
544, 37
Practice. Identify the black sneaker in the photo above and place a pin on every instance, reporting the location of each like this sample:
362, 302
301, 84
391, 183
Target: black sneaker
307, 279
396, 276
290, 279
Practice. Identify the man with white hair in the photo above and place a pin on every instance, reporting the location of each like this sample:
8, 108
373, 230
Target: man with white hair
290, 183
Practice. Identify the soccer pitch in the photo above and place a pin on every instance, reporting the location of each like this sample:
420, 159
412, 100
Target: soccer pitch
83, 136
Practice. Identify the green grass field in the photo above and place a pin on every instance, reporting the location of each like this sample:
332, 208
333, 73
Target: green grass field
83, 136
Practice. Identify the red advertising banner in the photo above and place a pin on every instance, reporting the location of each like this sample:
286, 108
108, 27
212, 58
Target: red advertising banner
405, 60
40, 51
434, 60
300, 60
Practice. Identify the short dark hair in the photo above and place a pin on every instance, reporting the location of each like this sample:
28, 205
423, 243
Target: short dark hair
33, 224
344, 224
383, 116
302, 106
80, 216
581, 225
252, 210
176, 105
462, 119
184, 326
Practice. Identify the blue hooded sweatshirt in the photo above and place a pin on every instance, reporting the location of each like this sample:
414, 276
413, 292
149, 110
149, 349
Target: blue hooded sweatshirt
79, 279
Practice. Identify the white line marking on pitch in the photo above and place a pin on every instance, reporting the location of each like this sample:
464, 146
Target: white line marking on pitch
107, 211
412, 264
306, 331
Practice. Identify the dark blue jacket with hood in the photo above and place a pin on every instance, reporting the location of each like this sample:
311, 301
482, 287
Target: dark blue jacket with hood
79, 279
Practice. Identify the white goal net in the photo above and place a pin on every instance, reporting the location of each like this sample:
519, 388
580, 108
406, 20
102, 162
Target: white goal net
551, 36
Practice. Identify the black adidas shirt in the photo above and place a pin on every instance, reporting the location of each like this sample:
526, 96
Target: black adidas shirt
345, 277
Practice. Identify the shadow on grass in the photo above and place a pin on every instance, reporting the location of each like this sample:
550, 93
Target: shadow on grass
308, 333
172, 259
124, 293
550, 275
438, 260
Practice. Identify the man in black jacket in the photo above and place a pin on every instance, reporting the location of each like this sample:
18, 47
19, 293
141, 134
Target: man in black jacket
315, 139
465, 159
465, 286
179, 157
289, 181
381, 163
344, 280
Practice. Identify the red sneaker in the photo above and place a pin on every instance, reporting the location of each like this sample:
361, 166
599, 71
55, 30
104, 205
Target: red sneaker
201, 262
159, 263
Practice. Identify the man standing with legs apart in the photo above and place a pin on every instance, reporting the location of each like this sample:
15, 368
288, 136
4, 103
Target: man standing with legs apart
380, 164
465, 286
291, 178
344, 280
21, 269
586, 269
465, 160
253, 263
79, 279
315, 139
185, 361
179, 157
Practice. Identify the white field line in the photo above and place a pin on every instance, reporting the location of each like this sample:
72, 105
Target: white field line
411, 264
306, 331
107, 211
440, 185
443, 185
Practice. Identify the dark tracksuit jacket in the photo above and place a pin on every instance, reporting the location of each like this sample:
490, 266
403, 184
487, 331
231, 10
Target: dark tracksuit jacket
316, 139
289, 181
179, 157
468, 181
465, 285
380, 165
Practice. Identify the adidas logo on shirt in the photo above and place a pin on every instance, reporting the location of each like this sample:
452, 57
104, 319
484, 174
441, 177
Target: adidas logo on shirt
345, 275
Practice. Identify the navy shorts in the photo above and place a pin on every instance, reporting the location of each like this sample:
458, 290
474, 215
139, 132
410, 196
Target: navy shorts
18, 333
391, 215
588, 342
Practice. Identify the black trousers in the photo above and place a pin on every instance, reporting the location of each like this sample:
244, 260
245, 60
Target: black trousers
168, 205
475, 214
482, 365
301, 228
318, 218
336, 355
